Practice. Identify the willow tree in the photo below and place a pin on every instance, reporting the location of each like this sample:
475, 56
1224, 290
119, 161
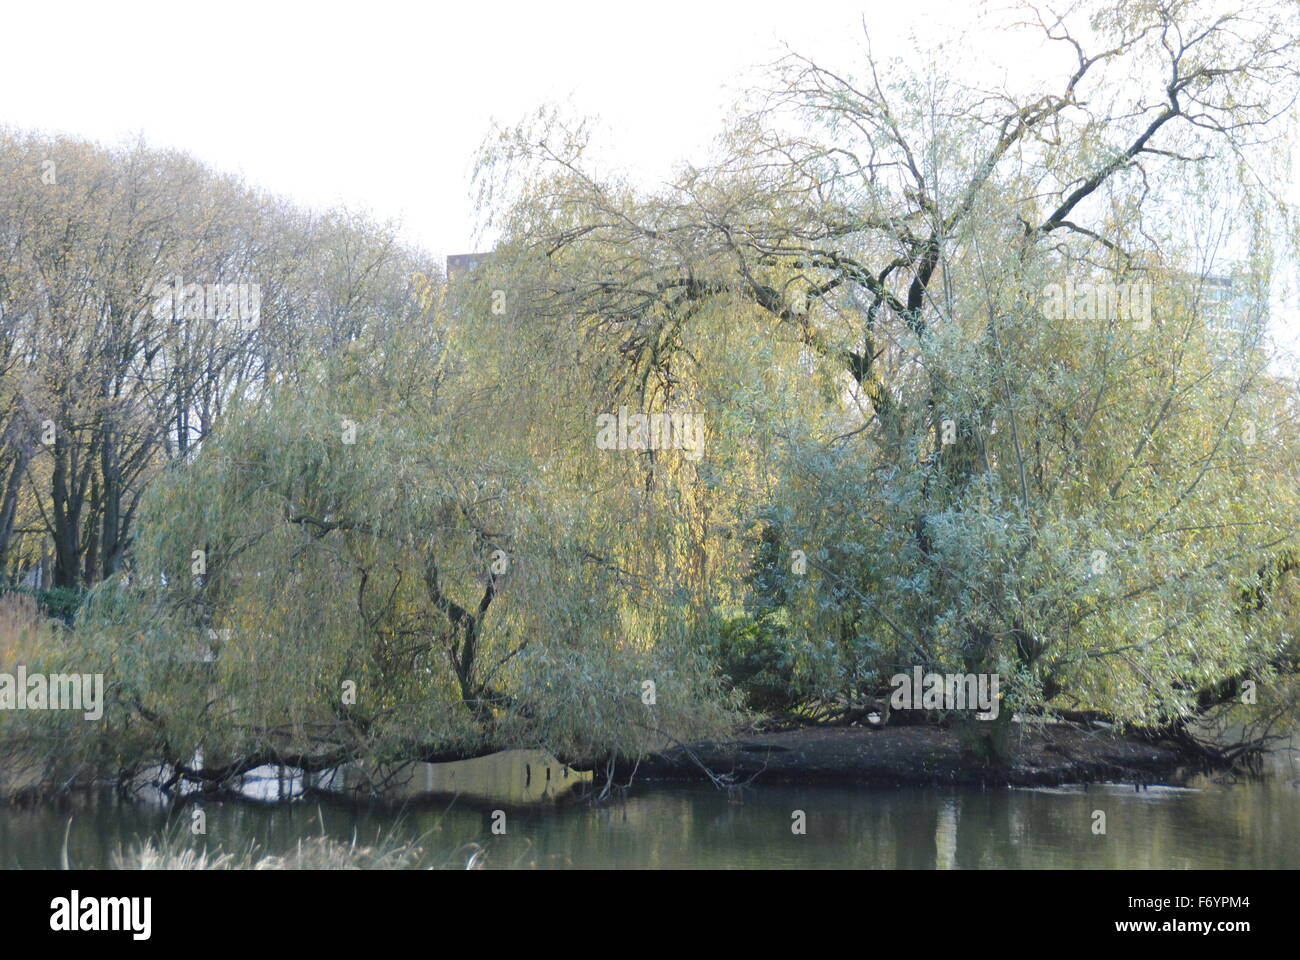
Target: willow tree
363, 563
1072, 495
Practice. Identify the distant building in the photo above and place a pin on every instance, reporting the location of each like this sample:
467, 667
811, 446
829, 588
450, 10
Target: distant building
459, 264
1232, 303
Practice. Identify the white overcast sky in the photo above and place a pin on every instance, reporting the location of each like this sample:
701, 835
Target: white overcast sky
380, 105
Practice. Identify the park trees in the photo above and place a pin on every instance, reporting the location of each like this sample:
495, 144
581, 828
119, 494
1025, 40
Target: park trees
970, 397
106, 375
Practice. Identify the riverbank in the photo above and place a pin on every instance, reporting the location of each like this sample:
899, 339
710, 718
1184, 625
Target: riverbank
915, 755
1040, 755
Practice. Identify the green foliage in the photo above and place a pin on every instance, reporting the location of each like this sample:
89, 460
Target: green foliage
368, 527
760, 658
857, 296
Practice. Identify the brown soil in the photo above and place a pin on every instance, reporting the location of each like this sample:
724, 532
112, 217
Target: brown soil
1051, 754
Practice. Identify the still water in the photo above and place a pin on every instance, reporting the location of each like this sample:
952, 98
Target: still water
1199, 824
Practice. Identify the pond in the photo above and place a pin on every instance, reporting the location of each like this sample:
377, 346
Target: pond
1200, 822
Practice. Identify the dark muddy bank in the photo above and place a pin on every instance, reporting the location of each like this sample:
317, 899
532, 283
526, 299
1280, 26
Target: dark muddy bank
914, 755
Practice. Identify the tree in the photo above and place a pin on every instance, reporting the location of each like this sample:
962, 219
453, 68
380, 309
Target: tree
107, 372
373, 566
1061, 499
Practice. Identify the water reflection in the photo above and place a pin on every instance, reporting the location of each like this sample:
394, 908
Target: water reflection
512, 776
1253, 824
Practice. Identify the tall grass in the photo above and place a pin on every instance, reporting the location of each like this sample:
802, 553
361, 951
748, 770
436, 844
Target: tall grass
311, 853
174, 849
24, 634
23, 628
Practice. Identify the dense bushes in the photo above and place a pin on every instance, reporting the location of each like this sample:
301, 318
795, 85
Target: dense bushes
760, 658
